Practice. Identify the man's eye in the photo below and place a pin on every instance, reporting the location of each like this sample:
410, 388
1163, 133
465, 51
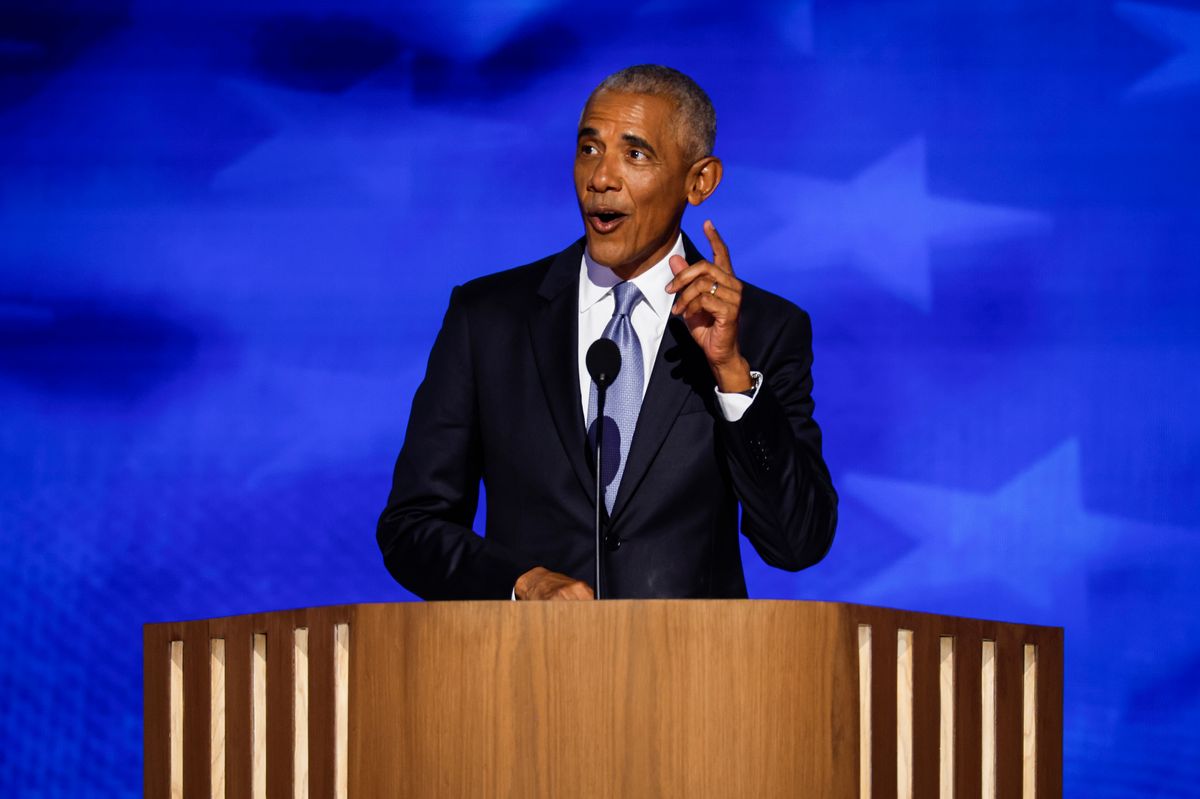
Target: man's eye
637, 155
587, 149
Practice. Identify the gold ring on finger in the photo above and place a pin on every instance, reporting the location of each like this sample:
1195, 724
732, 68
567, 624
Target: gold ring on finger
713, 290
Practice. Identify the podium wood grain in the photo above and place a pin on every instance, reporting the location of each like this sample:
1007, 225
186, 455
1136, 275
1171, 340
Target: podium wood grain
611, 699
690, 698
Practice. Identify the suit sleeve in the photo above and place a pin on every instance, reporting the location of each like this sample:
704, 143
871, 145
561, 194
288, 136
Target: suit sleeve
789, 507
425, 531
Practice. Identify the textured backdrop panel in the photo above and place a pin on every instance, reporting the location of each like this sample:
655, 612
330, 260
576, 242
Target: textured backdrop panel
228, 232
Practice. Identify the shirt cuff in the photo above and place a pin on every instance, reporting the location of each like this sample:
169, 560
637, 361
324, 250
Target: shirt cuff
514, 594
734, 406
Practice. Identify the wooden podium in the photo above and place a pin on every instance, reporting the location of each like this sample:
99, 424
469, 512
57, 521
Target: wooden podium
673, 698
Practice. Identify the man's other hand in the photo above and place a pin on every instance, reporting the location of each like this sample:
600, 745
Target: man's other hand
541, 583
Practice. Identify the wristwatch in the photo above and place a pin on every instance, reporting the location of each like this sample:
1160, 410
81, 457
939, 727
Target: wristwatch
750, 392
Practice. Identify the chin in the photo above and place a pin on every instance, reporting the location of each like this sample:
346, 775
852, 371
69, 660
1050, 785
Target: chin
606, 252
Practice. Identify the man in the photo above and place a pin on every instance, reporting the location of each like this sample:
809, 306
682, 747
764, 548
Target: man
711, 407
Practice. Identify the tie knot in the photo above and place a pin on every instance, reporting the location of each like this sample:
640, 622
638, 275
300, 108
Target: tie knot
627, 296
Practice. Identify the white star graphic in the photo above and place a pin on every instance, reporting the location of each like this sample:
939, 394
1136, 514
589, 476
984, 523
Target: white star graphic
883, 222
1031, 538
358, 146
1176, 28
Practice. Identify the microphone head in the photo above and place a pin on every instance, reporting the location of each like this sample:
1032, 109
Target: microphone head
603, 362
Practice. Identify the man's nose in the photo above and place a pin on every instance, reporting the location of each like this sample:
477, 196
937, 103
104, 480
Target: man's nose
605, 177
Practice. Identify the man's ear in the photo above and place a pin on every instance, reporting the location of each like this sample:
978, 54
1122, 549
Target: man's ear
703, 179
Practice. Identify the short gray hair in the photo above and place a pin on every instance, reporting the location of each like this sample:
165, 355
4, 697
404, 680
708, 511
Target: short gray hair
697, 118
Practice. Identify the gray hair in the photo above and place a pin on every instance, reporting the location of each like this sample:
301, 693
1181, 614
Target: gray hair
697, 123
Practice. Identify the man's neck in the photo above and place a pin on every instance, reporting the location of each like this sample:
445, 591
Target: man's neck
630, 271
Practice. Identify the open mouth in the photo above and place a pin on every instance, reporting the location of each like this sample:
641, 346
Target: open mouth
605, 220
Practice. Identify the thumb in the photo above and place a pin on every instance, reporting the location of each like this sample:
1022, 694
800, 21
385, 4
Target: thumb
677, 264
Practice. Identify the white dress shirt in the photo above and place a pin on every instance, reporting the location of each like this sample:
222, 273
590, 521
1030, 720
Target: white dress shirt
649, 320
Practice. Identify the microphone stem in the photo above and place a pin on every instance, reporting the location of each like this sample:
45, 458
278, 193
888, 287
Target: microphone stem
600, 393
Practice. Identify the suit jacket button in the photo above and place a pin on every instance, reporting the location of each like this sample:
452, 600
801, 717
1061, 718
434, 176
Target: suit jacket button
613, 542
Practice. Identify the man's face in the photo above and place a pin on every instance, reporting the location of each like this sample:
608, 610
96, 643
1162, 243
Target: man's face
631, 177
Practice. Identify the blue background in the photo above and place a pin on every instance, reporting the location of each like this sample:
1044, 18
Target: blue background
228, 232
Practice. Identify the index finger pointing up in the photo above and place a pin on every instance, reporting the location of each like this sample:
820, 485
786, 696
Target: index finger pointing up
720, 251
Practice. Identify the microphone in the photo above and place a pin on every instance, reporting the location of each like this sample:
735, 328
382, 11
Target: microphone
603, 364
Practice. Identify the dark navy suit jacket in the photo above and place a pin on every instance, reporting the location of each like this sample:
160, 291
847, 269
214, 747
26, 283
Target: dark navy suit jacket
500, 401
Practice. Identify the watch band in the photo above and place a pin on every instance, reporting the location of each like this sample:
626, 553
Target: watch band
750, 392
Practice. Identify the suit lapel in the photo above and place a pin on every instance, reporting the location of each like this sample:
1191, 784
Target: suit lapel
554, 332
679, 370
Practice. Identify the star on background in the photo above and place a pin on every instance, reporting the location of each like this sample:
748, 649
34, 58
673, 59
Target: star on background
1031, 539
353, 147
1176, 28
882, 222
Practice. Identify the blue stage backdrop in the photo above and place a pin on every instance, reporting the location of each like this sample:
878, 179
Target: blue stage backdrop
229, 230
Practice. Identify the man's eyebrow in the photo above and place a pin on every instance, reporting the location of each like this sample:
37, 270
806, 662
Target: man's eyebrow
587, 132
639, 142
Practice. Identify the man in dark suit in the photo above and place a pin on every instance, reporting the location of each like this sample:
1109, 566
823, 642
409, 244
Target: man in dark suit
712, 407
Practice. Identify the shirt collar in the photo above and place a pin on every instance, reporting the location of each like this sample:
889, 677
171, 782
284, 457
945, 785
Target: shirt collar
597, 282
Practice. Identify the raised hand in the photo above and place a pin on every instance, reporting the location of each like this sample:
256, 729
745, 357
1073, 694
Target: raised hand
709, 298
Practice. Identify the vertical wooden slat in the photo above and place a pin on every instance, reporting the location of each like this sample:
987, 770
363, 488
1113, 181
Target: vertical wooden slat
904, 714
341, 681
925, 708
176, 720
216, 718
196, 689
987, 716
967, 722
280, 693
258, 718
320, 702
883, 706
946, 697
1050, 714
300, 714
237, 633
156, 711
1009, 656
865, 720
1029, 722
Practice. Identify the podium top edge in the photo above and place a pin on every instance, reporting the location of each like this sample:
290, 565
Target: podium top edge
347, 610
